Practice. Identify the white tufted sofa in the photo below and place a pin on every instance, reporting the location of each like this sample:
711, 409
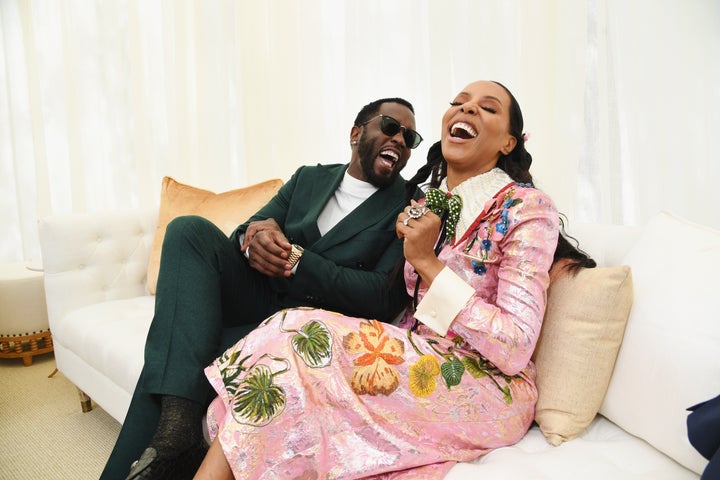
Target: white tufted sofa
99, 312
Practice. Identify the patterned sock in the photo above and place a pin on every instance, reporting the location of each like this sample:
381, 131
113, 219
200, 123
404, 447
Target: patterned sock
179, 427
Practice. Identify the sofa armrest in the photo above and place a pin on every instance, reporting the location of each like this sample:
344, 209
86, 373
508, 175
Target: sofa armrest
94, 257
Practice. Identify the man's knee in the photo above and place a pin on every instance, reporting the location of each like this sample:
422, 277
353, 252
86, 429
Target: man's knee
189, 225
191, 233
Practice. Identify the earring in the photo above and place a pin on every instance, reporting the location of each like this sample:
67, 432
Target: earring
354, 142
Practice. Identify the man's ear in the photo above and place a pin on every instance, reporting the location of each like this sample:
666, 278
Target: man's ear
355, 135
508, 147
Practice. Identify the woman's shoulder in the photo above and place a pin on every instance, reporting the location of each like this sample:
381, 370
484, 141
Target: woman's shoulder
525, 199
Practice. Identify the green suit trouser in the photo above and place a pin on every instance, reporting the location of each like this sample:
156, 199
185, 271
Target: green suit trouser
207, 298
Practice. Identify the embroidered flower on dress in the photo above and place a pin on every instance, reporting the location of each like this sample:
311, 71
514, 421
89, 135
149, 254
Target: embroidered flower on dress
422, 376
374, 373
423, 373
478, 267
499, 222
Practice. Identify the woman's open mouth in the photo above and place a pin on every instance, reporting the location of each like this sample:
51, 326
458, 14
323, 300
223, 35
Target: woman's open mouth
463, 130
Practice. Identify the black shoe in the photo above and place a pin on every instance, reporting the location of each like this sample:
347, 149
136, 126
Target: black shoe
182, 466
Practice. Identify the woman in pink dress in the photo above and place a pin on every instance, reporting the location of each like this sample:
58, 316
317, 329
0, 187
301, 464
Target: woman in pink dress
315, 394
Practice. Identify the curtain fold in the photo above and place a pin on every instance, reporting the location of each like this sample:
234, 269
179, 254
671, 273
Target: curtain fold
99, 99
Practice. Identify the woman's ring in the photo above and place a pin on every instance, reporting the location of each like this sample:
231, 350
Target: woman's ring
416, 212
405, 222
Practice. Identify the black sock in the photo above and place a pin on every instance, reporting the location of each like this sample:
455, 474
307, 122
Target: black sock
179, 427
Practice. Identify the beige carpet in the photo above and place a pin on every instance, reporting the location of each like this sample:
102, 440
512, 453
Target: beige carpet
43, 433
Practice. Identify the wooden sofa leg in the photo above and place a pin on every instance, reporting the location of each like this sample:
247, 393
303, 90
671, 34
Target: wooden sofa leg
85, 401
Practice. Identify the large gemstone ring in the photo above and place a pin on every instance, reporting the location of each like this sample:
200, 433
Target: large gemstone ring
416, 212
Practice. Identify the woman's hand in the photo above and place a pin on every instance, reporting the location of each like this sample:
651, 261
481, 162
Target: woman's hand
419, 227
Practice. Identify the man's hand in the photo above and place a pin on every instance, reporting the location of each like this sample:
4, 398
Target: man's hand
269, 248
258, 226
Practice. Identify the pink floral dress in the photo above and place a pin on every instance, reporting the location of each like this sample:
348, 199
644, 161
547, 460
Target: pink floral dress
315, 394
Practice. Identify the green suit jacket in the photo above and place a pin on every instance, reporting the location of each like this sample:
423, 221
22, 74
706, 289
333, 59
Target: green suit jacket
352, 268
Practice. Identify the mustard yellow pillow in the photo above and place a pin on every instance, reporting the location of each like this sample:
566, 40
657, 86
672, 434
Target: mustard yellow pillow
227, 210
579, 341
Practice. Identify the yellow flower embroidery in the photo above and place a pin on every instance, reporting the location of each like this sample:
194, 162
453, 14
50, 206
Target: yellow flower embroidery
422, 376
374, 373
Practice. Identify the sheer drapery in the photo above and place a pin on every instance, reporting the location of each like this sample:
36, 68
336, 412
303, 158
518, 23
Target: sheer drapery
100, 99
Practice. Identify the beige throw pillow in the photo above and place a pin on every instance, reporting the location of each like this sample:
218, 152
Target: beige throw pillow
579, 342
227, 210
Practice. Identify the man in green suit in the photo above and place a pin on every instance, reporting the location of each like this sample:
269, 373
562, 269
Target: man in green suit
327, 240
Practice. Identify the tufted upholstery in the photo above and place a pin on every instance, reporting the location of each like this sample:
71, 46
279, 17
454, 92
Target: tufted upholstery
95, 267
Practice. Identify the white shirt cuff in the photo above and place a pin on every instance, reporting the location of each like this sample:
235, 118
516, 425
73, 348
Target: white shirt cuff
447, 295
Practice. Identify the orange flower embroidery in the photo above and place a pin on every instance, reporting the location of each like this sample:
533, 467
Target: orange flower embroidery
374, 373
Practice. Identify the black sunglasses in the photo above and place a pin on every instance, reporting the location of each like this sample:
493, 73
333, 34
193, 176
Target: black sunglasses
390, 127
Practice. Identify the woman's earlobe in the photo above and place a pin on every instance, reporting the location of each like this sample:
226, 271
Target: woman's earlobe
509, 146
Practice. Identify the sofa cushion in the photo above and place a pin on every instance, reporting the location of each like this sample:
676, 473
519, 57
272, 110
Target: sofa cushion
110, 336
227, 210
601, 452
668, 360
579, 341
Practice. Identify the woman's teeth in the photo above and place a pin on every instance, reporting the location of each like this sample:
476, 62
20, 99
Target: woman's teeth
463, 130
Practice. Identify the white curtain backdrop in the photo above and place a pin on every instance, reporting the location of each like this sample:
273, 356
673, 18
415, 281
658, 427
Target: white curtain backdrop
99, 99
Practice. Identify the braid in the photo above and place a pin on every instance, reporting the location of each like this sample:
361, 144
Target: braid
435, 166
517, 163
439, 170
571, 251
435, 163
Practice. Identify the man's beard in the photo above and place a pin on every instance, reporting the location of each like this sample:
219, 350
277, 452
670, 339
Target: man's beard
367, 163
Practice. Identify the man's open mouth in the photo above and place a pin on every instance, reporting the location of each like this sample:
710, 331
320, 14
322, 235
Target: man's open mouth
390, 156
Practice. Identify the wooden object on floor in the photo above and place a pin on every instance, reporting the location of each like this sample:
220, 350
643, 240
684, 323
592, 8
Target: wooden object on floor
24, 329
26, 346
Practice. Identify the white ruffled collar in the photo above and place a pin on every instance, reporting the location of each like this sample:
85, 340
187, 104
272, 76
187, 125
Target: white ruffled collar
475, 193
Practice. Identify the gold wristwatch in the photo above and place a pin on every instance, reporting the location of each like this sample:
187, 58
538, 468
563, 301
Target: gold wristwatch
295, 253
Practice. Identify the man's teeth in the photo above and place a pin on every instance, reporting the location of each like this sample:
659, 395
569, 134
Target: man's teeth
461, 128
390, 155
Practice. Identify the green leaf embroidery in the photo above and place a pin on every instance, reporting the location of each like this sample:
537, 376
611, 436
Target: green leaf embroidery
507, 394
313, 343
452, 371
233, 369
473, 366
258, 399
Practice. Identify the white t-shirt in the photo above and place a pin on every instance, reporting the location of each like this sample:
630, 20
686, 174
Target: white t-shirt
350, 193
